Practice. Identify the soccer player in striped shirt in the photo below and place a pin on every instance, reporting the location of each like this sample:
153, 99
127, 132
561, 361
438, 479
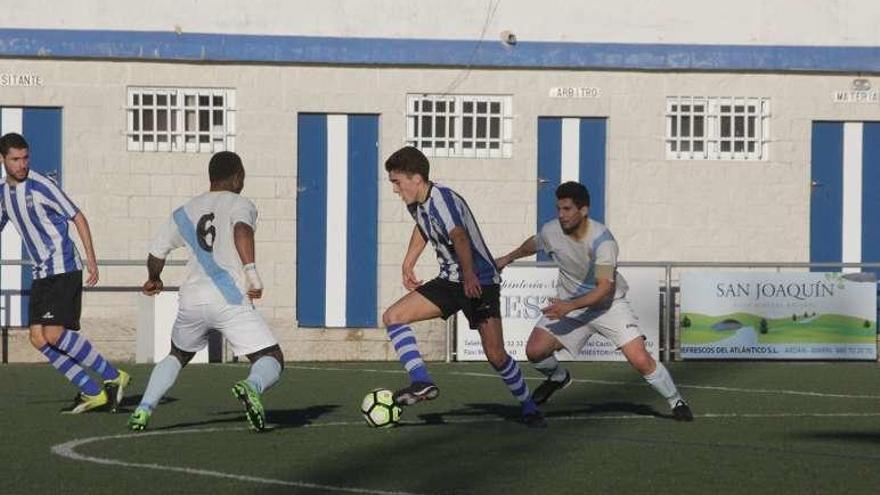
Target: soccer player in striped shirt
40, 211
468, 281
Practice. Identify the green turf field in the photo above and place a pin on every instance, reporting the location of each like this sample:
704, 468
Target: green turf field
760, 428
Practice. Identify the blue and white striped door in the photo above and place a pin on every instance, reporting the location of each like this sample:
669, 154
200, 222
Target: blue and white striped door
845, 202
41, 127
570, 148
337, 214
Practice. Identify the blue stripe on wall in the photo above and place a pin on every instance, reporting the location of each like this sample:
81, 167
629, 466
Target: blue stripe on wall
592, 166
549, 170
871, 192
311, 215
363, 219
42, 129
149, 45
826, 203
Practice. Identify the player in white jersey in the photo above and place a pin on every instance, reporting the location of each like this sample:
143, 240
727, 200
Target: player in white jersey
591, 299
468, 281
218, 229
40, 211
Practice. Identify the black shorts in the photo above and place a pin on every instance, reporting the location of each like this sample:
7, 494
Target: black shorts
57, 300
450, 298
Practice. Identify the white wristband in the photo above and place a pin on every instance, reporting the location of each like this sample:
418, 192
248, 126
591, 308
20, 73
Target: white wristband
252, 276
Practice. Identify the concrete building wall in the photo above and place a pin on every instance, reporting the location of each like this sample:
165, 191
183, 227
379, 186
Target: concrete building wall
368, 56
763, 22
659, 209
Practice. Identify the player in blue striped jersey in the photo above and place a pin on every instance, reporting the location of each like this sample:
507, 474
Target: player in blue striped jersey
40, 211
468, 281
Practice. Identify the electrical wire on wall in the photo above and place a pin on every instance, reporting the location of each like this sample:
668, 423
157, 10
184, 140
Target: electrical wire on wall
491, 8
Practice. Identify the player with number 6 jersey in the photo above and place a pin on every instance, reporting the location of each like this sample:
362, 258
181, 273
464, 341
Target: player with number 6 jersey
218, 229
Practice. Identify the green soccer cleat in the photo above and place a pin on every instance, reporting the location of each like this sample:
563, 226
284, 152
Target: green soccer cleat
115, 389
83, 403
253, 406
138, 420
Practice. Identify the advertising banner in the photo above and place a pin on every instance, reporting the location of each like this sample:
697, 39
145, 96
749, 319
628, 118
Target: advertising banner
755, 315
528, 288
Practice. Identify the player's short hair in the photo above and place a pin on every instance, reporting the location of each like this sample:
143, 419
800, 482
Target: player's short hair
12, 140
575, 191
224, 165
408, 160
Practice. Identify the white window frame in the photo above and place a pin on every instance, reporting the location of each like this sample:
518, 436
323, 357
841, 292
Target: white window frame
734, 128
461, 128
195, 120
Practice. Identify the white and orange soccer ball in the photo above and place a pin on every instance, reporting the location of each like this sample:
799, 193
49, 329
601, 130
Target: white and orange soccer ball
379, 409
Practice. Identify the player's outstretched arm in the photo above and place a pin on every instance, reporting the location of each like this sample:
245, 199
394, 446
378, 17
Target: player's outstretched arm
598, 296
527, 248
85, 234
417, 243
243, 236
461, 241
154, 284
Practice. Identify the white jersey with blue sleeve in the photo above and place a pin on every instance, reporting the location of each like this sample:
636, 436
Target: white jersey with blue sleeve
581, 261
205, 224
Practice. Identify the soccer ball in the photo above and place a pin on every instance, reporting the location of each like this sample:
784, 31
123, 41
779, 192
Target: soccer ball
379, 409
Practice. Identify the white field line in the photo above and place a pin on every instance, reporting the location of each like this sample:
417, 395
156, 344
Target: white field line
628, 383
68, 450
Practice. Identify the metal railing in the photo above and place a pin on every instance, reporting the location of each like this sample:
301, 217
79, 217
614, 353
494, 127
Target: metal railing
6, 295
668, 289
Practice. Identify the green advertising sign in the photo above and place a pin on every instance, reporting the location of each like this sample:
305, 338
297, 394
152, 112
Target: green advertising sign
753, 315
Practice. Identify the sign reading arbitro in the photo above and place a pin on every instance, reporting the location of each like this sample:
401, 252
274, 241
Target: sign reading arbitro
20, 79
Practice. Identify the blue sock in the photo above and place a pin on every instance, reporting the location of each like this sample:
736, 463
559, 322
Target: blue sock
161, 379
71, 370
404, 342
264, 373
513, 378
79, 348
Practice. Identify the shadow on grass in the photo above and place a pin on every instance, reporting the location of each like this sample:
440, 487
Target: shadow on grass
278, 419
475, 411
843, 436
130, 402
295, 418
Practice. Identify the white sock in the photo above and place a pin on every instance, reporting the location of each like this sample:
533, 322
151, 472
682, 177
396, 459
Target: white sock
264, 373
662, 382
161, 379
550, 368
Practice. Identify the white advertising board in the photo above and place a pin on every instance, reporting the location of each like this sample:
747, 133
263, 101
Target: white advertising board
528, 288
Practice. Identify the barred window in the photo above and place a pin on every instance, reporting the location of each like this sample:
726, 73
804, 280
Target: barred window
470, 126
181, 119
717, 128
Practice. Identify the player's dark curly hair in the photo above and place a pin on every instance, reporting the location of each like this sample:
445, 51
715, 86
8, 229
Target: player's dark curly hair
408, 160
12, 140
575, 191
224, 165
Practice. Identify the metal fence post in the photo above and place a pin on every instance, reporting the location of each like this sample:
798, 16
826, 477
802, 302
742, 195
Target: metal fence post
669, 309
450, 326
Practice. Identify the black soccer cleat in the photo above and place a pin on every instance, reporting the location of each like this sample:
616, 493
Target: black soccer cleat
682, 411
534, 419
416, 392
549, 387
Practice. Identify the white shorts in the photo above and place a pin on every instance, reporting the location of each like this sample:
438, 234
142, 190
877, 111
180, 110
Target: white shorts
241, 325
619, 324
